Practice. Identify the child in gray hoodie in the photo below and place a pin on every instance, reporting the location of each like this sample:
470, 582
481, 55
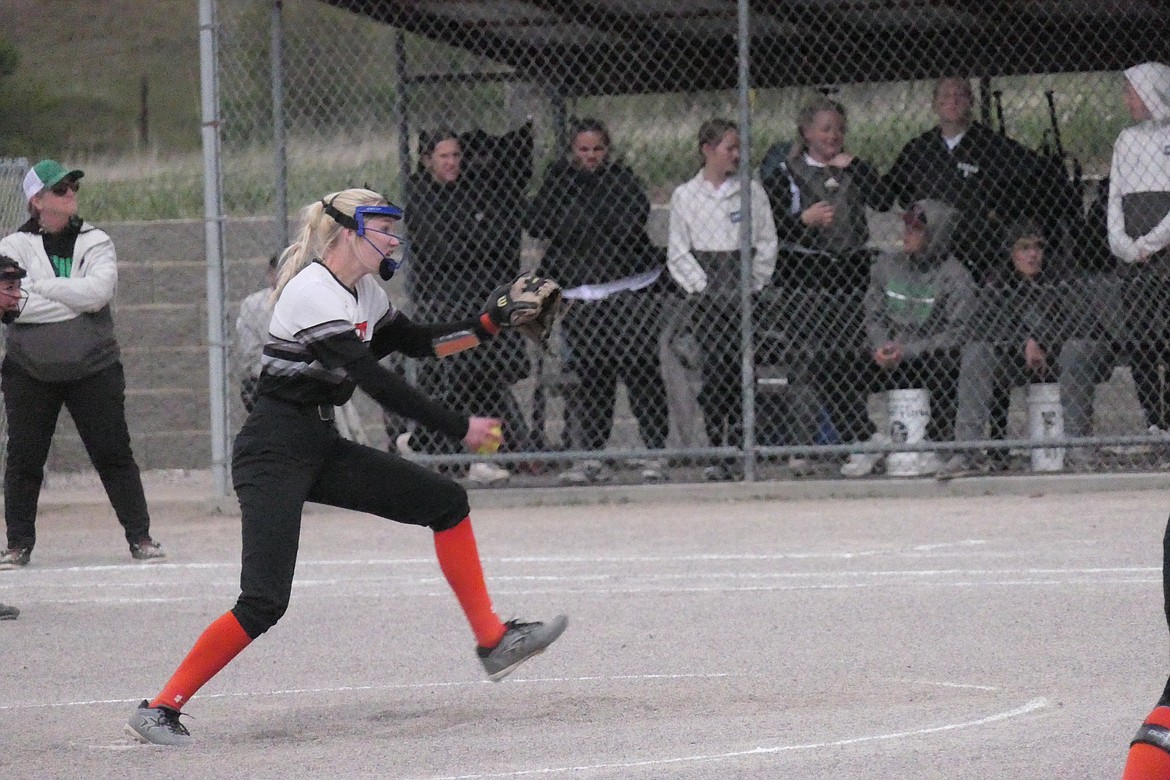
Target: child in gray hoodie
917, 310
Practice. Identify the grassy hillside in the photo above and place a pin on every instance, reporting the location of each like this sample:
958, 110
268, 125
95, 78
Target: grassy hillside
81, 74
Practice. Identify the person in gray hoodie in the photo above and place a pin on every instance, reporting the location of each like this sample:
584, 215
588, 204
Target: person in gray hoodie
917, 309
62, 352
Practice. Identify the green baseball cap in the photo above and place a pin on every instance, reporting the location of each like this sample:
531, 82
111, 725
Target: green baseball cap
45, 174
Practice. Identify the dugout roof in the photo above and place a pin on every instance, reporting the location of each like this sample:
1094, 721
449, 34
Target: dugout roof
589, 47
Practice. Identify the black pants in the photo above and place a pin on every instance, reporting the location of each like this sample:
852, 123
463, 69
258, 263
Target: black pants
607, 341
286, 455
97, 404
718, 326
846, 382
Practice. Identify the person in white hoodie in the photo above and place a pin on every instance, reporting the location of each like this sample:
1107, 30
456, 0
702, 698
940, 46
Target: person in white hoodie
703, 259
1139, 232
62, 352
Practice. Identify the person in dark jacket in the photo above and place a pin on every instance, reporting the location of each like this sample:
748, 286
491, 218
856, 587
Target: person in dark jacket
462, 232
592, 210
990, 179
1028, 316
819, 194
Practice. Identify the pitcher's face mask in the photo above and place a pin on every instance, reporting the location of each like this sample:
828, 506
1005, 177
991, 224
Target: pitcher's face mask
12, 299
359, 224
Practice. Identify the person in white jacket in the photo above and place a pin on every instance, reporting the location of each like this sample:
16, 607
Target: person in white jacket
703, 259
62, 352
1139, 232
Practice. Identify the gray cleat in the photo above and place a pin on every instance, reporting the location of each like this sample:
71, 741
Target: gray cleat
521, 641
157, 726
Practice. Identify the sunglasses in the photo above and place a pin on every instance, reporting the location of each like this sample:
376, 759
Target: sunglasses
63, 187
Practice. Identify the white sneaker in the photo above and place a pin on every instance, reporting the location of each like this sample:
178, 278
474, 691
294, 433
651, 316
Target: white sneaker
862, 464
487, 474
654, 470
801, 466
402, 444
585, 472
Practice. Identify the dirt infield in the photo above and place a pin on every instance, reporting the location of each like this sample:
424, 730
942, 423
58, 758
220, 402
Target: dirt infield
956, 637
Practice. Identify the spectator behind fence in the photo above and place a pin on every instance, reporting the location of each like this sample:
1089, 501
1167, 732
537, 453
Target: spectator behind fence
917, 310
1029, 312
704, 260
464, 239
62, 352
593, 212
1139, 234
990, 179
252, 334
819, 194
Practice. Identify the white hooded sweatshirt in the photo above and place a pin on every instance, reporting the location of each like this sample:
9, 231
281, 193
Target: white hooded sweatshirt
1139, 179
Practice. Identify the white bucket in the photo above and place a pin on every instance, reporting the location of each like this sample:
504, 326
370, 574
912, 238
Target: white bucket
909, 414
1046, 421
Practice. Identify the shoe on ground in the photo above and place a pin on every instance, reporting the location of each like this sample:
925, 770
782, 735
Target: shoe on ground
862, 464
585, 472
929, 463
488, 474
654, 470
723, 472
520, 642
959, 463
8, 613
157, 726
15, 558
147, 549
801, 466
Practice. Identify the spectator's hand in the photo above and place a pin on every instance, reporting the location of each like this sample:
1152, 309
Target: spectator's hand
888, 355
1143, 256
842, 160
1034, 356
819, 214
483, 431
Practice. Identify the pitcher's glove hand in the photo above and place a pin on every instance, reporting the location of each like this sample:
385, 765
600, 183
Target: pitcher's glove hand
530, 304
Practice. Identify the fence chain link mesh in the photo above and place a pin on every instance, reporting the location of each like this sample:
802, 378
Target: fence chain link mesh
931, 264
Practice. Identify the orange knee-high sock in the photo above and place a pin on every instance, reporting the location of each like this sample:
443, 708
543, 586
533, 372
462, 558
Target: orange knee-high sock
216, 646
1147, 762
459, 560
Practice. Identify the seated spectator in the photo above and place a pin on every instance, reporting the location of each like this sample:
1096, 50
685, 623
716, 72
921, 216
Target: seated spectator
917, 311
464, 240
1026, 317
704, 260
593, 211
819, 194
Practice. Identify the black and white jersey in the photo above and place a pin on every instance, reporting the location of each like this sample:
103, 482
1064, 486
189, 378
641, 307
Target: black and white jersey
318, 327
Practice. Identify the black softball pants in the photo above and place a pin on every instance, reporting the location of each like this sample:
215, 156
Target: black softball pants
285, 455
97, 404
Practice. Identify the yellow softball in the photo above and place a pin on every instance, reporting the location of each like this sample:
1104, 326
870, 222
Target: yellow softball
491, 443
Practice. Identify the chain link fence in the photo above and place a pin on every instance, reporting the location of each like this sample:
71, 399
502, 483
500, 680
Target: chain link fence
933, 276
